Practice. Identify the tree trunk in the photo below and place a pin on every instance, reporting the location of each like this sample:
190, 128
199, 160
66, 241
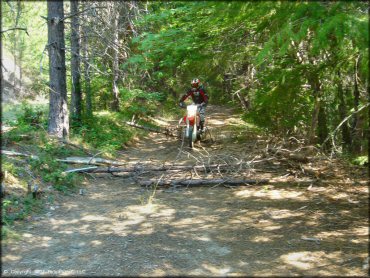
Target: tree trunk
20, 84
16, 51
115, 103
87, 72
314, 120
244, 104
76, 97
368, 132
356, 145
227, 85
346, 136
322, 126
315, 84
58, 123
248, 72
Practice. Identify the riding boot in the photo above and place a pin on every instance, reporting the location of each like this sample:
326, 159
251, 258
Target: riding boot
201, 125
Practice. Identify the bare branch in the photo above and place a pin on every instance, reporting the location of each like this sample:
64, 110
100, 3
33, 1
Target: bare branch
15, 28
331, 135
81, 12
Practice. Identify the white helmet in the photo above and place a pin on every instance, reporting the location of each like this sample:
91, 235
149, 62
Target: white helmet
195, 83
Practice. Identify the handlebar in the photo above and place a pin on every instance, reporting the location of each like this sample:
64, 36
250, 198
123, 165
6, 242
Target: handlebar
182, 104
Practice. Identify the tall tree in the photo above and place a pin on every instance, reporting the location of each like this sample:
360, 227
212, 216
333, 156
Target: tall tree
368, 129
87, 58
17, 51
116, 72
346, 136
76, 97
356, 146
87, 70
58, 123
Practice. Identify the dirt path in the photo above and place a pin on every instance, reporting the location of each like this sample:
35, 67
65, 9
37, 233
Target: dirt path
119, 228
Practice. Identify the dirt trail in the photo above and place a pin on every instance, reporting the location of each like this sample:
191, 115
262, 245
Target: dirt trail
119, 228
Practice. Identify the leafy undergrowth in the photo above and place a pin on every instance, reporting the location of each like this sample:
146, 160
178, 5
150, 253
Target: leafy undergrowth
39, 172
106, 132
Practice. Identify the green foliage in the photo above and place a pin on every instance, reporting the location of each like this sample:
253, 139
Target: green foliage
17, 208
30, 122
360, 160
51, 171
6, 165
32, 115
28, 131
105, 131
270, 109
28, 47
141, 103
102, 93
30, 128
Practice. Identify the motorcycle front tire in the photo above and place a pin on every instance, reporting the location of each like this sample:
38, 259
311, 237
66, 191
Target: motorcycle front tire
190, 137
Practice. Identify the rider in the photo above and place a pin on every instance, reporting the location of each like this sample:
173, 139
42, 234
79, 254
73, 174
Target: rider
200, 97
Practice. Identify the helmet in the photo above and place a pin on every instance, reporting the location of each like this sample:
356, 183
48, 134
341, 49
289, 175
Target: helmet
195, 83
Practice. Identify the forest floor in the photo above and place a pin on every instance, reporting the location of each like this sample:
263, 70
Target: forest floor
311, 219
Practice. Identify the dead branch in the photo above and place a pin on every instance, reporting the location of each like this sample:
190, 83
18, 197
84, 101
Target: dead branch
288, 154
11, 153
79, 170
90, 160
140, 169
15, 28
85, 10
332, 134
166, 131
202, 182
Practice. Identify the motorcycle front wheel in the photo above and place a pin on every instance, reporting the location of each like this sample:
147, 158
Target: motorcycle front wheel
190, 136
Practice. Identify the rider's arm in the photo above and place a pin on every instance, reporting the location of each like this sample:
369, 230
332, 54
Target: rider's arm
205, 97
184, 97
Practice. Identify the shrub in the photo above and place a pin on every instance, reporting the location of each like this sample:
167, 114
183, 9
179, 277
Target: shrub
105, 131
141, 103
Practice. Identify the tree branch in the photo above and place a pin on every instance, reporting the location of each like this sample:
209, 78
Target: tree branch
345, 120
85, 10
203, 182
15, 28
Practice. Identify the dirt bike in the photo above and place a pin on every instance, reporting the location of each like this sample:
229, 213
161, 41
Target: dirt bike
192, 120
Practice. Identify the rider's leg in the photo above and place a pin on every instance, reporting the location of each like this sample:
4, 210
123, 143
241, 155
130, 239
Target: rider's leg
201, 125
202, 112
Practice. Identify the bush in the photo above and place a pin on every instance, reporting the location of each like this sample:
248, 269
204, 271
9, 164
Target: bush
105, 131
51, 171
360, 160
32, 115
281, 109
141, 103
17, 208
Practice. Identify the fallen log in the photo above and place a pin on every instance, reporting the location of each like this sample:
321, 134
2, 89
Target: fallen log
90, 160
79, 170
11, 153
150, 129
201, 182
209, 168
